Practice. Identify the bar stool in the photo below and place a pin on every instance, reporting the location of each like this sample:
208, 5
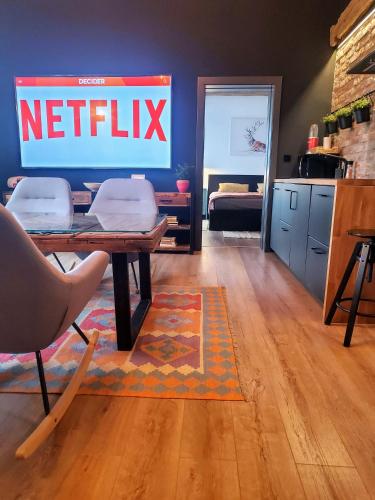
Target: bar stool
364, 253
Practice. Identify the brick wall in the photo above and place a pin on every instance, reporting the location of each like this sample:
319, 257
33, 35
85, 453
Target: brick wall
358, 143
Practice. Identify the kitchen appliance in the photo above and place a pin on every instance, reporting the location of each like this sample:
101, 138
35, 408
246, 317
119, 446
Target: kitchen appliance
322, 166
313, 139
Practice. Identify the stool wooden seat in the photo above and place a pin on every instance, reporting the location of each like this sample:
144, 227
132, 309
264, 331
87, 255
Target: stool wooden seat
364, 254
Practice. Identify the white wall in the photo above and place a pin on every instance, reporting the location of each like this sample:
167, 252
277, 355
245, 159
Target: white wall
219, 111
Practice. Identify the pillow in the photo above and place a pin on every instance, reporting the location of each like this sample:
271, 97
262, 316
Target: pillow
260, 188
232, 187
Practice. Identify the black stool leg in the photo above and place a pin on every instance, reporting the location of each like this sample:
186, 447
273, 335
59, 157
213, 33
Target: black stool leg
370, 265
357, 292
344, 282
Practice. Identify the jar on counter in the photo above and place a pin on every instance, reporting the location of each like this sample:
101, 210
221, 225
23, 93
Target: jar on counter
349, 170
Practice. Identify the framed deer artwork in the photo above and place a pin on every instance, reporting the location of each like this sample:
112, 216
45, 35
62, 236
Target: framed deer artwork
248, 136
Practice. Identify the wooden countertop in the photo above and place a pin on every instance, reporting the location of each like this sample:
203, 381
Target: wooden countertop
329, 182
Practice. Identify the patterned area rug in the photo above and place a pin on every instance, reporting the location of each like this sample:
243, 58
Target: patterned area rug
184, 350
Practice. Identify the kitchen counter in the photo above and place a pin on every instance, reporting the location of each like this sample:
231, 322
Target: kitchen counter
320, 212
329, 182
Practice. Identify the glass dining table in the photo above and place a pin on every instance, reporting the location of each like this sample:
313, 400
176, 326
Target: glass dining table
117, 234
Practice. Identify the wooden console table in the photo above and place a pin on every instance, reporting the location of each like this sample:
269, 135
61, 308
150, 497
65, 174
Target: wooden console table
179, 204
78, 197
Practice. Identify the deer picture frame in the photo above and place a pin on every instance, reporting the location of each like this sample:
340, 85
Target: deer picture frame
248, 136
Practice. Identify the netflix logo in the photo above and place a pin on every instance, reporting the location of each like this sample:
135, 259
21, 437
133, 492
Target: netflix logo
33, 114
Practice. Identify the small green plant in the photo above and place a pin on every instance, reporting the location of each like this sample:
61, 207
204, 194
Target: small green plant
345, 111
362, 103
184, 171
331, 118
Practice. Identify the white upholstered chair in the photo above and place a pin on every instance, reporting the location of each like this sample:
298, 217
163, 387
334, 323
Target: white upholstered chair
42, 194
37, 305
126, 196
50, 195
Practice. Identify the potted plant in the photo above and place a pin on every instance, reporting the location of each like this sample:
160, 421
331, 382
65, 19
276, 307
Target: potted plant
183, 174
330, 121
361, 108
345, 117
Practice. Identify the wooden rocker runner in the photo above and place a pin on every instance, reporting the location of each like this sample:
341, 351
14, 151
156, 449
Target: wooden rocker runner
38, 303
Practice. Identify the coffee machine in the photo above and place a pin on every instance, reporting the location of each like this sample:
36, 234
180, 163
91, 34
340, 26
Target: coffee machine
322, 166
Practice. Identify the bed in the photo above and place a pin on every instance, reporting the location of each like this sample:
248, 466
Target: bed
234, 211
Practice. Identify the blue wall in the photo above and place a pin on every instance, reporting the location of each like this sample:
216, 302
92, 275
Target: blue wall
185, 38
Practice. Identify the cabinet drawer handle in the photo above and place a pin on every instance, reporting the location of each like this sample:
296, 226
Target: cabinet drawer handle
276, 189
318, 251
323, 195
285, 229
293, 200
287, 189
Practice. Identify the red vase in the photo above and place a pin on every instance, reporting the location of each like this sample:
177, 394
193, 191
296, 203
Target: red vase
183, 185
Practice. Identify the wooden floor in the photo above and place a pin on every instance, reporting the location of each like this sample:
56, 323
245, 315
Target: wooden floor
307, 430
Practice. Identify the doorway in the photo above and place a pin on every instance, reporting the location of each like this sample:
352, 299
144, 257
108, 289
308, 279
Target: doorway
237, 132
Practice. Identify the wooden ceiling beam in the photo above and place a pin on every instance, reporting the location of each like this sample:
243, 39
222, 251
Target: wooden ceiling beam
352, 14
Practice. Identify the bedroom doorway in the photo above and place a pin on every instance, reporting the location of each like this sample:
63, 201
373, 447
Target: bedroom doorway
237, 131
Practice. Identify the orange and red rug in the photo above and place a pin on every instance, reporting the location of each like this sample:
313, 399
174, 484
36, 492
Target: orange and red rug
184, 350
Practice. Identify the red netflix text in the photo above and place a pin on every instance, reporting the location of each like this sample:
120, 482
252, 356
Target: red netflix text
31, 118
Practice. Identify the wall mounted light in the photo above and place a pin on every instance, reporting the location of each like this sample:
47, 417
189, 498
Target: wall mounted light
356, 28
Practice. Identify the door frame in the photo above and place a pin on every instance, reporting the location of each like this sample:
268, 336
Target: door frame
270, 172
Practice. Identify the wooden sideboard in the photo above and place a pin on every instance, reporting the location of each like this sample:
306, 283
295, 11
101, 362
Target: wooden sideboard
178, 204
310, 221
79, 198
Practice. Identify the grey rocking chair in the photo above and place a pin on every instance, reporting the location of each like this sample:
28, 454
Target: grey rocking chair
37, 305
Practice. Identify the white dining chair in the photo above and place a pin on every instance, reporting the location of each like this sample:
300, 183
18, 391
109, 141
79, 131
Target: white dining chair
37, 305
50, 195
126, 196
42, 194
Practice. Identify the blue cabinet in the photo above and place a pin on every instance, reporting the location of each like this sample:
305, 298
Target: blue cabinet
276, 217
290, 218
316, 267
299, 206
300, 231
287, 214
285, 239
321, 213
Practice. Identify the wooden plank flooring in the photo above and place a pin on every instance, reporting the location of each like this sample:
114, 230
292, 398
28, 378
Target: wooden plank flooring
307, 429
